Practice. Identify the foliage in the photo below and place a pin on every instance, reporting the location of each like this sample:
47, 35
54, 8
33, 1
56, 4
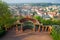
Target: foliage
40, 19
28, 25
5, 15
56, 33
2, 32
47, 22
34, 13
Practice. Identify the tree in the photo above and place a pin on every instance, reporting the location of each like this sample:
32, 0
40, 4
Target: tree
40, 19
34, 13
5, 15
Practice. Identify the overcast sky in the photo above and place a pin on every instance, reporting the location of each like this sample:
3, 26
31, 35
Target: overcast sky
32, 1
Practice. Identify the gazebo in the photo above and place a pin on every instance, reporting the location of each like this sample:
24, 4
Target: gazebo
27, 18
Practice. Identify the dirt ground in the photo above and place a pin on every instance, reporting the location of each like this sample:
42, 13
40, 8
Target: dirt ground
11, 35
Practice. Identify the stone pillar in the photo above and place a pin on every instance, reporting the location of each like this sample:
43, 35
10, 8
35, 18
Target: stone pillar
21, 28
34, 28
39, 29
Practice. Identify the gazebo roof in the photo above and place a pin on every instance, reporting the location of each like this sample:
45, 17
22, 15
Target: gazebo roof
29, 19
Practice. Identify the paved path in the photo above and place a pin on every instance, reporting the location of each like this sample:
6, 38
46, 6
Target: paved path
11, 35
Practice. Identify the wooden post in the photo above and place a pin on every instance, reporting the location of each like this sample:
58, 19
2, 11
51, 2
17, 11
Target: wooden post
5, 28
21, 28
42, 28
46, 28
50, 29
16, 28
34, 28
39, 29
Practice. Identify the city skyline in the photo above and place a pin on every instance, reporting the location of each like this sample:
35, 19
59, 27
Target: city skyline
32, 1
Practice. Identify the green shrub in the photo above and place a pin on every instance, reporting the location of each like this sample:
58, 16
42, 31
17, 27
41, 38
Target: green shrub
2, 32
47, 22
28, 25
56, 33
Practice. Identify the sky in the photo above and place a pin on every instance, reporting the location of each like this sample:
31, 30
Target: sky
32, 1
